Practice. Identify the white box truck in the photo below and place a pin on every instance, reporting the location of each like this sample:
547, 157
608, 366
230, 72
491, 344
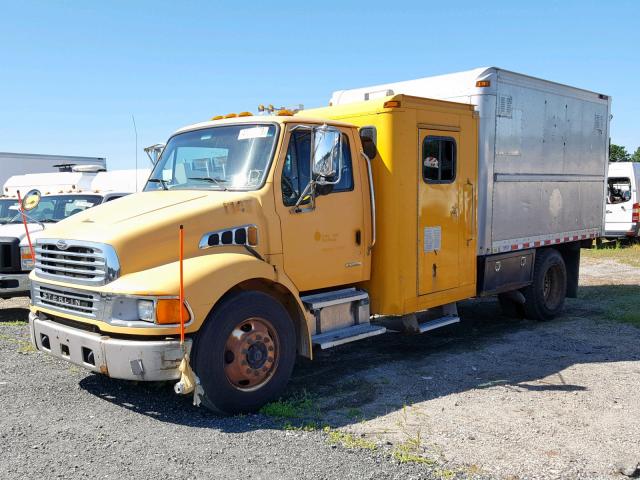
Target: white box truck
12, 164
63, 194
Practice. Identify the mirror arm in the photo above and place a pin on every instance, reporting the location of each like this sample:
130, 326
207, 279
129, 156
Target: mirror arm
372, 196
308, 189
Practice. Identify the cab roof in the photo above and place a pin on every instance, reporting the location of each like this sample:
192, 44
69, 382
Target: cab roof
253, 119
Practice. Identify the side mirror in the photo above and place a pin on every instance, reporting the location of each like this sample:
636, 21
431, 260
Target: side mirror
31, 200
326, 155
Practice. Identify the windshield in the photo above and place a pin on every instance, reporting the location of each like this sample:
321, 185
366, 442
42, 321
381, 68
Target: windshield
230, 157
53, 208
6, 213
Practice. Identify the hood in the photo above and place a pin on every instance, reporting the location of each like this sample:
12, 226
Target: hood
143, 227
16, 230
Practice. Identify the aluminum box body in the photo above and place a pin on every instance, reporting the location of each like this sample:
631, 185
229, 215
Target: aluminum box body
542, 153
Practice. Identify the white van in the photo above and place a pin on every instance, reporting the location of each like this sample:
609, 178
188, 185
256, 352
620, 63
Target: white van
623, 204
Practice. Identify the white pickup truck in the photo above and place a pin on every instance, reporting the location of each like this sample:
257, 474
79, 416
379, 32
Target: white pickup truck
63, 194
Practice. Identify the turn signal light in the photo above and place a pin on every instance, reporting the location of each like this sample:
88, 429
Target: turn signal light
635, 215
391, 104
483, 83
168, 311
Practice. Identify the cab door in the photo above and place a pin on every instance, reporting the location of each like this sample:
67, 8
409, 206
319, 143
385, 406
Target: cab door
323, 244
441, 211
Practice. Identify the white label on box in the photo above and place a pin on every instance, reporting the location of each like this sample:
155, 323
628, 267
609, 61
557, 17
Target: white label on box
254, 132
432, 239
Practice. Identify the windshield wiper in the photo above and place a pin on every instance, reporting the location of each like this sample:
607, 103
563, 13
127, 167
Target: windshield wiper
160, 181
216, 180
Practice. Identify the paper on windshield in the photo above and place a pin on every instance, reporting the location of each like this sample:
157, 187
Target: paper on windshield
253, 132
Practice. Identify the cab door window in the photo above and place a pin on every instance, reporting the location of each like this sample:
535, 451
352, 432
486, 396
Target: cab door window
296, 172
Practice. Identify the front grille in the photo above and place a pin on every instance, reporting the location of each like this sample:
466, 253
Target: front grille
9, 255
77, 262
86, 304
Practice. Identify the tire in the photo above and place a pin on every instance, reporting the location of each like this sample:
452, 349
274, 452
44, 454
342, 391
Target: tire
244, 354
545, 296
510, 308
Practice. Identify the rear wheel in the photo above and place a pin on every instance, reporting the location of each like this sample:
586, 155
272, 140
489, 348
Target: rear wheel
545, 296
244, 354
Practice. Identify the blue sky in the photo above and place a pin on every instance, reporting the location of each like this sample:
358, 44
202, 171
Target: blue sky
72, 73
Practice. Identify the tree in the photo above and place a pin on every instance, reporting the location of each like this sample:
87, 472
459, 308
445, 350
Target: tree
636, 155
617, 153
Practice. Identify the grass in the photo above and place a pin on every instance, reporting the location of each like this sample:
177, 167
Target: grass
305, 427
336, 437
408, 452
294, 407
13, 323
24, 346
627, 254
617, 302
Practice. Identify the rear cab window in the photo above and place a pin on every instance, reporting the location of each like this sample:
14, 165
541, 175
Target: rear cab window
618, 190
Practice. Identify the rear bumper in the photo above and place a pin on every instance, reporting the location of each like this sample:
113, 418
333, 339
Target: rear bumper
621, 231
145, 360
15, 284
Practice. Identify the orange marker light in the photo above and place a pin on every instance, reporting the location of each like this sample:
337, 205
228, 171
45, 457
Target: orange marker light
245, 114
391, 104
217, 117
483, 83
168, 311
230, 115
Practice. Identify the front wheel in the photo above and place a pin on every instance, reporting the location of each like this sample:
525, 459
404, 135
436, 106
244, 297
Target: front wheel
244, 354
544, 298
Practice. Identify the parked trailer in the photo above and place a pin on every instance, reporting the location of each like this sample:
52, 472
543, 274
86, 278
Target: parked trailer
322, 227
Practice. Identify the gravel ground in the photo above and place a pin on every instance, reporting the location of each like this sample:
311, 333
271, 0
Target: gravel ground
491, 397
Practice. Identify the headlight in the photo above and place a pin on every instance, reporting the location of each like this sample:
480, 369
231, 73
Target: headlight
26, 260
146, 310
133, 311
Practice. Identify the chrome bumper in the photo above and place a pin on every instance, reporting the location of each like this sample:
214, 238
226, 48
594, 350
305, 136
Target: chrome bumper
145, 360
9, 287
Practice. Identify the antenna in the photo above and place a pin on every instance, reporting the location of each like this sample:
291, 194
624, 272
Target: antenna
135, 129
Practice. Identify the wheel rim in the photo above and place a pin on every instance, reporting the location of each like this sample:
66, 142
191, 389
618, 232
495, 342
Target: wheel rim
251, 354
551, 286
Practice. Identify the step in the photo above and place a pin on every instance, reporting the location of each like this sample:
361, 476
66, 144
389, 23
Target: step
346, 335
334, 297
438, 322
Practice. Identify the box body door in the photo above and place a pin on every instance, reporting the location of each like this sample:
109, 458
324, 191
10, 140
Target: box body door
445, 211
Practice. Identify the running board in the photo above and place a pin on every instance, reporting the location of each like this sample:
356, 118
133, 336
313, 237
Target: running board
437, 323
346, 335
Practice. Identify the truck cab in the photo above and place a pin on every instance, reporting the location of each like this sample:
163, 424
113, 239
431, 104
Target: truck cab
284, 247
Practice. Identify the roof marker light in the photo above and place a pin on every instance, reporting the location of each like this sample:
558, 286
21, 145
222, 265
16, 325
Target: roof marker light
483, 83
217, 117
245, 114
391, 104
230, 115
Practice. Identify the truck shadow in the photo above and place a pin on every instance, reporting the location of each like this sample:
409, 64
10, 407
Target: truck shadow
383, 374
14, 315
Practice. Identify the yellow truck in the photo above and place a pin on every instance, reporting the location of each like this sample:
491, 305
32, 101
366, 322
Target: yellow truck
301, 229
